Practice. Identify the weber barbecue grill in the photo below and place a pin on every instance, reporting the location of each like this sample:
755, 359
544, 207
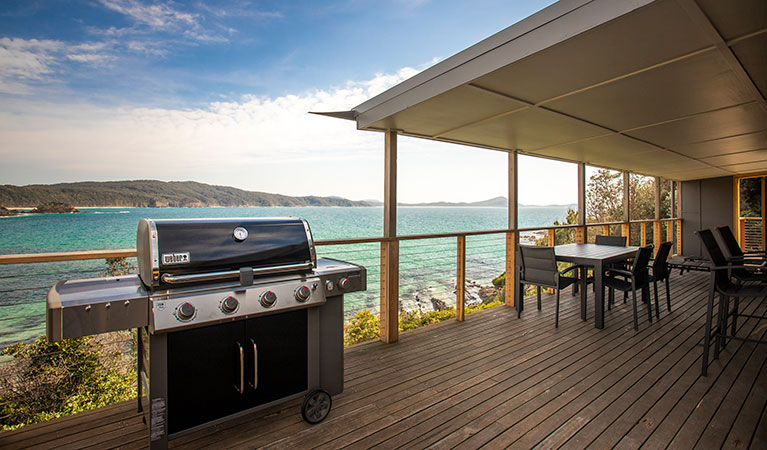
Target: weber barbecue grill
234, 315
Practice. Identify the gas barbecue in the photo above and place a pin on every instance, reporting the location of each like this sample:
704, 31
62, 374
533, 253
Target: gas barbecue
234, 315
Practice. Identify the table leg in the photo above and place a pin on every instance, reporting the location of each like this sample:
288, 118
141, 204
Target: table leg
599, 296
584, 272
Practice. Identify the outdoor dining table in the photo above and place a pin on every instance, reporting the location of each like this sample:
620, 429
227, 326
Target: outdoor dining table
598, 257
587, 255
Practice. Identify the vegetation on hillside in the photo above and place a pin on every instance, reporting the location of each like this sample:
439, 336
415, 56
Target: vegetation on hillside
153, 193
45, 380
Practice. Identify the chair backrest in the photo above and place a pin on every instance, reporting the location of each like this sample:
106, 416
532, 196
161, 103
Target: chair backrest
730, 243
617, 241
660, 265
539, 265
716, 257
641, 262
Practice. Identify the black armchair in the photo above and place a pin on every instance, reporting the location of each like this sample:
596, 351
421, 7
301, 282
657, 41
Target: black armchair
737, 258
631, 280
721, 283
661, 272
539, 268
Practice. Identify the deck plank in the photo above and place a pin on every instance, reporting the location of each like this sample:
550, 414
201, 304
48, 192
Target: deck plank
498, 381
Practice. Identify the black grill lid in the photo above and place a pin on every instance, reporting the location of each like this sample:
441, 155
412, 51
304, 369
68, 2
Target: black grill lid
171, 249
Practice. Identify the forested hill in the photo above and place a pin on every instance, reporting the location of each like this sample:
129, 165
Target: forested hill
152, 193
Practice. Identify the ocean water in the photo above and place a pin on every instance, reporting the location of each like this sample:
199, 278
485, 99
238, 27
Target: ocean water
427, 267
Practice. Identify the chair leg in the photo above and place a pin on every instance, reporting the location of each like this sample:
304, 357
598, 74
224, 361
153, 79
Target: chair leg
722, 325
636, 320
610, 296
655, 288
668, 294
735, 317
625, 296
707, 334
646, 299
520, 300
556, 319
538, 289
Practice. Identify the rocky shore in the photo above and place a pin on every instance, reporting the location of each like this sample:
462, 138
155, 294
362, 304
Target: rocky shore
45, 208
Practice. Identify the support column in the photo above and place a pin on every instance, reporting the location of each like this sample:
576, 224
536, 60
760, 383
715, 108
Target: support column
389, 308
657, 226
512, 237
580, 232
626, 226
460, 277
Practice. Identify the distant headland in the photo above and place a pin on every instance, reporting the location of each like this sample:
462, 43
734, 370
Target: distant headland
152, 193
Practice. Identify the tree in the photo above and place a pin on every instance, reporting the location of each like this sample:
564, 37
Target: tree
604, 197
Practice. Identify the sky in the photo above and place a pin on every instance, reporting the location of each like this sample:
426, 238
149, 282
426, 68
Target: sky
219, 92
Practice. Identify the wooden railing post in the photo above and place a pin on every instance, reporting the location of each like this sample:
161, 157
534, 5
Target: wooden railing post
460, 279
606, 230
512, 243
626, 231
552, 241
389, 291
742, 232
657, 234
678, 236
580, 235
670, 231
643, 234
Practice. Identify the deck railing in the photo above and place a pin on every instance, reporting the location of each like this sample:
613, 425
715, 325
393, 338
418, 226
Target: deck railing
445, 261
752, 236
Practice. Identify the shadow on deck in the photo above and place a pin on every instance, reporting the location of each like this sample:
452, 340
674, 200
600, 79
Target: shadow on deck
500, 382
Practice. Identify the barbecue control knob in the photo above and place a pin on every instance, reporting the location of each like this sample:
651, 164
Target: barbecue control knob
303, 293
268, 298
229, 305
344, 283
185, 311
329, 285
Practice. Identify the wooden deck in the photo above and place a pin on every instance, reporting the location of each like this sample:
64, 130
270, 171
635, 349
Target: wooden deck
495, 381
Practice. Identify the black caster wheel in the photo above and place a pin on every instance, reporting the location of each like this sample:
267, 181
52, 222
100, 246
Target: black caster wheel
316, 406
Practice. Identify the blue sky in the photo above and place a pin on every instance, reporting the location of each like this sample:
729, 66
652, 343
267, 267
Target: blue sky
218, 92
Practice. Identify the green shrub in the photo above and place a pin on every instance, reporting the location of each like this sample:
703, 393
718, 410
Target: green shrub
409, 320
364, 326
45, 380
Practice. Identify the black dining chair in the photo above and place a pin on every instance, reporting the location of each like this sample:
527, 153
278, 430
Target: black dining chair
660, 272
721, 283
732, 247
736, 257
539, 268
632, 280
617, 241
601, 239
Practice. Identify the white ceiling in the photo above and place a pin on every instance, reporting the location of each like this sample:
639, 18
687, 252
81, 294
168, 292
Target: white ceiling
670, 88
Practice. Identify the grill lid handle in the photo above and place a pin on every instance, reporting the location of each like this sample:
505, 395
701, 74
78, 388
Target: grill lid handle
210, 276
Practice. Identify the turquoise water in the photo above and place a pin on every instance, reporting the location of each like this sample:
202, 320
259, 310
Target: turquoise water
427, 267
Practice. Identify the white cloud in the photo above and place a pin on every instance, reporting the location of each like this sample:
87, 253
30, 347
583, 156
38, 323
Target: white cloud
23, 62
258, 143
158, 15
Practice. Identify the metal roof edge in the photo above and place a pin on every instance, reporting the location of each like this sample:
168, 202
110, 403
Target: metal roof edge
473, 61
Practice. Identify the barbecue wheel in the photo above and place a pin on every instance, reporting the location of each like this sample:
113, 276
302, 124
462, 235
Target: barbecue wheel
316, 406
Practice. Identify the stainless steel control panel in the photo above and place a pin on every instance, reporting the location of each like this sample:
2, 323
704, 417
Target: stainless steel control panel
177, 309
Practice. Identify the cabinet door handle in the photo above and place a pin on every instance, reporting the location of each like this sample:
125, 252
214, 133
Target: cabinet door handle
241, 387
255, 364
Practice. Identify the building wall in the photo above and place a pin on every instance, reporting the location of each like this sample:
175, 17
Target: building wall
706, 203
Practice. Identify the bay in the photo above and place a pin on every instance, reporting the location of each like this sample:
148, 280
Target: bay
427, 267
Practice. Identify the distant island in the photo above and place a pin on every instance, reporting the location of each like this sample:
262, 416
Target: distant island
499, 202
152, 193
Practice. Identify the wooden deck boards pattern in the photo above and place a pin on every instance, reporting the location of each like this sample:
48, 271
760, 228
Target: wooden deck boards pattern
494, 381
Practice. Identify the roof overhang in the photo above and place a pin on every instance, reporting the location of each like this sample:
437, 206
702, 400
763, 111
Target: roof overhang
671, 88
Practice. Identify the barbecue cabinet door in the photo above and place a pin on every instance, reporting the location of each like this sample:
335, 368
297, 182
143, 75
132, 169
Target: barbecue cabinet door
205, 369
279, 344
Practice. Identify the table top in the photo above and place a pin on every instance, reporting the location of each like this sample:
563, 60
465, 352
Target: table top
592, 252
